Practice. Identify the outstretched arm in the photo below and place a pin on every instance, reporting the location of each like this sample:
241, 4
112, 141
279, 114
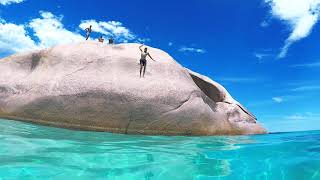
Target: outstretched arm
151, 57
140, 47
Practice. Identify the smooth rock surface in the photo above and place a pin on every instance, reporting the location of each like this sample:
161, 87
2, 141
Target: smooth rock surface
92, 86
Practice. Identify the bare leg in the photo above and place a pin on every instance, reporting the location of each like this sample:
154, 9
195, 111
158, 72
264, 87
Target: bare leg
140, 69
144, 69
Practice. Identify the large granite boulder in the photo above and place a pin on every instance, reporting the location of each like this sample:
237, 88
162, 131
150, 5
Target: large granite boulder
92, 86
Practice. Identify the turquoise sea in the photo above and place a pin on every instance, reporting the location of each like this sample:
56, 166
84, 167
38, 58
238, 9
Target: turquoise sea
30, 151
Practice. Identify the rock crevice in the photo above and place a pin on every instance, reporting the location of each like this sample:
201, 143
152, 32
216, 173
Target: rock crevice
215, 91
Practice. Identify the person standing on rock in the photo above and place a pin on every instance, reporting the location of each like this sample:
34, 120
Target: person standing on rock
110, 41
88, 32
143, 60
101, 39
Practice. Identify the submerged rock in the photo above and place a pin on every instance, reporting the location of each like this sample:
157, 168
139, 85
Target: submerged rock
91, 86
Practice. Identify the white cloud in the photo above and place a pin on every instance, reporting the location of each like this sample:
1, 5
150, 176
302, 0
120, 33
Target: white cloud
303, 116
277, 99
143, 40
306, 88
264, 24
8, 2
307, 65
296, 117
50, 31
270, 102
238, 79
261, 56
300, 15
14, 38
113, 29
192, 50
170, 43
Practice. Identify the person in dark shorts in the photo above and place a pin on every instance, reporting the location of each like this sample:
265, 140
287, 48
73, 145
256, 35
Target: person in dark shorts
110, 41
143, 60
88, 32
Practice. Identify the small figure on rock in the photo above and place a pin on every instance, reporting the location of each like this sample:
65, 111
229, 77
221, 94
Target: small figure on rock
101, 39
88, 32
110, 41
143, 60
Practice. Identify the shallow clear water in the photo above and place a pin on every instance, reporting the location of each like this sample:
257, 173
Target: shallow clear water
35, 152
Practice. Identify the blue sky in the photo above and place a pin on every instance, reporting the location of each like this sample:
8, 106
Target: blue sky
265, 52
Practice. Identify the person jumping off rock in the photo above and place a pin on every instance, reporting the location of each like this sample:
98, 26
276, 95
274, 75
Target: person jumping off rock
143, 60
88, 32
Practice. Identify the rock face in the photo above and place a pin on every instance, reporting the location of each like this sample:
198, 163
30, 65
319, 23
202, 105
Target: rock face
92, 86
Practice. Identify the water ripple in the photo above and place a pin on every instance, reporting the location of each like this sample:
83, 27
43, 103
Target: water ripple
37, 152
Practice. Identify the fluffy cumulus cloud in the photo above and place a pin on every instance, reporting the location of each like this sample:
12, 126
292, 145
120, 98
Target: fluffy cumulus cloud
50, 31
300, 15
8, 2
14, 38
112, 29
